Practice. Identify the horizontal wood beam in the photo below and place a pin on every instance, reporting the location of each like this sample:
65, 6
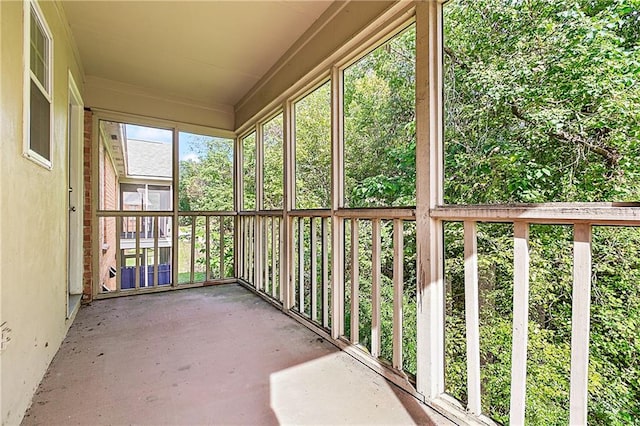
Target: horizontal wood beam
561, 213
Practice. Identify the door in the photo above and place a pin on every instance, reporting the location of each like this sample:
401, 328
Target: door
75, 191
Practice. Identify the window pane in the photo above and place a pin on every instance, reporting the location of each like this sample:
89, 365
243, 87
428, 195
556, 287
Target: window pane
39, 123
206, 173
313, 149
249, 172
379, 125
38, 51
272, 132
132, 162
541, 101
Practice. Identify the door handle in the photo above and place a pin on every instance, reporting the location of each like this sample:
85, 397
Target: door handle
72, 208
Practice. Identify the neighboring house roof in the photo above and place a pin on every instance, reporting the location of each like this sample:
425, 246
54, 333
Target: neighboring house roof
146, 158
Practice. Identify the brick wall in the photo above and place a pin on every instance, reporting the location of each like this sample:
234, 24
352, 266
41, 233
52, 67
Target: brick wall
87, 276
109, 201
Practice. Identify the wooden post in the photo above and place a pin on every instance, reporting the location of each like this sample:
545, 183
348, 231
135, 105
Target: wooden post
286, 272
337, 201
221, 264
376, 274
520, 322
429, 164
398, 290
137, 276
314, 269
207, 249
472, 316
325, 272
193, 249
355, 282
155, 250
580, 317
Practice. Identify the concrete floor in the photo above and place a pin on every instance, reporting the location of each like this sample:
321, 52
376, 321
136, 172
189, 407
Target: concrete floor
213, 355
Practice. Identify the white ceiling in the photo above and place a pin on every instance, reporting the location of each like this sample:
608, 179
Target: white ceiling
211, 52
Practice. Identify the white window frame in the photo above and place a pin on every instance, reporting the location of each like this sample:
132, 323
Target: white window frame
29, 76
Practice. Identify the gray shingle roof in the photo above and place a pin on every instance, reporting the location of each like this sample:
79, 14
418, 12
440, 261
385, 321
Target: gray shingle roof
145, 158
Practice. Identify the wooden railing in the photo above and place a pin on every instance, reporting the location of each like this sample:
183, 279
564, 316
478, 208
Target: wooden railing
582, 217
309, 279
132, 262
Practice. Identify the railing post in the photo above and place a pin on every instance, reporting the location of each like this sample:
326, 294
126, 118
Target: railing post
520, 322
313, 260
472, 316
398, 291
207, 248
376, 274
580, 324
355, 282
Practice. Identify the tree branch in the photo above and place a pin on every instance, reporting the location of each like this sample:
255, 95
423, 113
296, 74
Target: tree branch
454, 58
610, 155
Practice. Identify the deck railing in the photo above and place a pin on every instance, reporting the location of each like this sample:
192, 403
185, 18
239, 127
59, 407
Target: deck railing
582, 217
314, 286
199, 250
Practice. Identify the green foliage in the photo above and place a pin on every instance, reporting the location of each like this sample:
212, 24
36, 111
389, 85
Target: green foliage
313, 149
379, 125
206, 184
542, 103
272, 133
249, 172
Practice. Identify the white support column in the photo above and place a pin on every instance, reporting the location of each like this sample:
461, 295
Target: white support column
429, 163
472, 316
337, 201
286, 231
238, 249
175, 222
260, 230
520, 322
580, 317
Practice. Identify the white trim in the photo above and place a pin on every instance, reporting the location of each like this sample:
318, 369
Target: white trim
141, 120
29, 76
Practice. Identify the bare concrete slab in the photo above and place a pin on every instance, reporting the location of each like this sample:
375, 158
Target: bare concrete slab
213, 355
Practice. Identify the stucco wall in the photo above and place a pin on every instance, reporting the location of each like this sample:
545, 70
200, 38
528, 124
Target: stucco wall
33, 218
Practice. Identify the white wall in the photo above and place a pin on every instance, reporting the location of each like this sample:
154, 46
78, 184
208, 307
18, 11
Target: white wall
33, 217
